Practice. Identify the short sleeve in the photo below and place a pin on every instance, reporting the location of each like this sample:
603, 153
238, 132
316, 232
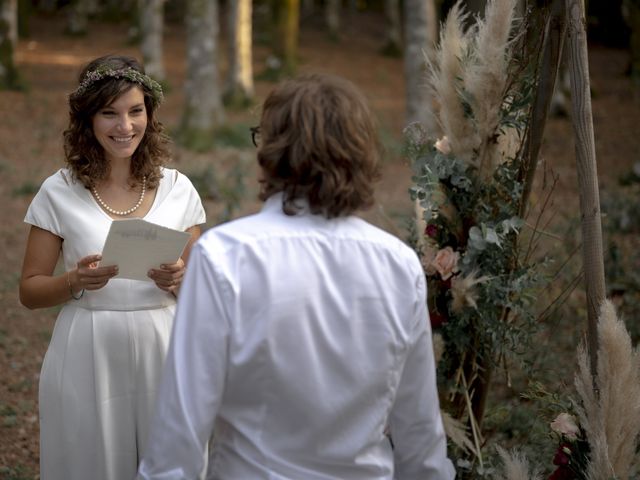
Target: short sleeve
194, 213
42, 212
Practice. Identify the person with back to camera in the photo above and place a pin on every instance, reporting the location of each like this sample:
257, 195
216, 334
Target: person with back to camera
302, 331
102, 369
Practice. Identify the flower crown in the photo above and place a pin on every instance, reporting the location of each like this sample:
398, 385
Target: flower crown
128, 73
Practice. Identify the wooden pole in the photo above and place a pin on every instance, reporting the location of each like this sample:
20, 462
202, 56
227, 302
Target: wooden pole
555, 33
593, 258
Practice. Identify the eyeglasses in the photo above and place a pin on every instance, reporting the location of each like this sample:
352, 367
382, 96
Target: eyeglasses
255, 135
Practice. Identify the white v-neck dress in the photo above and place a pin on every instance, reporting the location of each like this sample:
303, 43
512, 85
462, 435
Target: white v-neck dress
103, 365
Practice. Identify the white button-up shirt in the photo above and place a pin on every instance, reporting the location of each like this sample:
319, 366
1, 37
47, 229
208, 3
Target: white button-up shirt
297, 341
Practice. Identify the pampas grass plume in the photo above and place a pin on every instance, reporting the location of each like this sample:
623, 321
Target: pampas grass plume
516, 466
446, 86
486, 76
610, 414
457, 432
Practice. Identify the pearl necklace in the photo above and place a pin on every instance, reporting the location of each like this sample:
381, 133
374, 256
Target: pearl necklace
121, 212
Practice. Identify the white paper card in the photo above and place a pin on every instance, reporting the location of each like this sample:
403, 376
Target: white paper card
136, 246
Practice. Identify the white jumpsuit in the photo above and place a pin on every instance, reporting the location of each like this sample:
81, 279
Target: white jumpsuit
101, 370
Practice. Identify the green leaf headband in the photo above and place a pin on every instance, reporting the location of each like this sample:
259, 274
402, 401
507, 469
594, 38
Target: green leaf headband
127, 73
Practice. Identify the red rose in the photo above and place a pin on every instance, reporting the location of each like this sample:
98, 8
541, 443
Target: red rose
431, 230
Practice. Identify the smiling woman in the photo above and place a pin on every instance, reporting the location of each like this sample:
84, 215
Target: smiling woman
102, 367
120, 126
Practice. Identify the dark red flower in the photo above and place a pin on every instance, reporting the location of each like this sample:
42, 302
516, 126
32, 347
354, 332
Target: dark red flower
437, 320
562, 457
431, 230
562, 473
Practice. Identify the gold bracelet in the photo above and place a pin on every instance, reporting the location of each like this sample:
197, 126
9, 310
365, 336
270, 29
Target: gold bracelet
71, 289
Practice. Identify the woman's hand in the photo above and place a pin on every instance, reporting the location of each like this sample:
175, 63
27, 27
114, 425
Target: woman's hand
89, 276
169, 276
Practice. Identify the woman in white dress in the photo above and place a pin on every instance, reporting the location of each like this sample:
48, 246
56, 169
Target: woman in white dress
102, 367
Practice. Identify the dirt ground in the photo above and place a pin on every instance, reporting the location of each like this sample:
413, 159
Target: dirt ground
31, 124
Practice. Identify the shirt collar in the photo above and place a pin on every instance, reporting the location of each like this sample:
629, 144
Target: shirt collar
274, 203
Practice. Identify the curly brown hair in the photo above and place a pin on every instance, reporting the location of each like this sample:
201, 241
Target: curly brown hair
318, 140
84, 155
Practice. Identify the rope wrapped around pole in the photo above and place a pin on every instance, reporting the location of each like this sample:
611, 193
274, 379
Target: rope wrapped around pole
592, 251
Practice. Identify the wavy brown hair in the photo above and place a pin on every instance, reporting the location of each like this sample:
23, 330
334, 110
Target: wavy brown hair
318, 140
84, 155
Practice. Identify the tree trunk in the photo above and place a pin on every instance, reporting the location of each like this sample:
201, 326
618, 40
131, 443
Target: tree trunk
393, 44
239, 89
634, 23
78, 19
593, 256
151, 18
93, 7
9, 78
288, 27
203, 107
24, 13
418, 41
332, 17
47, 6
307, 7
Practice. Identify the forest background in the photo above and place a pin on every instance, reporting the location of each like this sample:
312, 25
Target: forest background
48, 59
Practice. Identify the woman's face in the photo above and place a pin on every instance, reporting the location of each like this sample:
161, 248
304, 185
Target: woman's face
120, 126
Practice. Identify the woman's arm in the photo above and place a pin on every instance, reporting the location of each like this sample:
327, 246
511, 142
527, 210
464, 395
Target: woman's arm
39, 288
169, 277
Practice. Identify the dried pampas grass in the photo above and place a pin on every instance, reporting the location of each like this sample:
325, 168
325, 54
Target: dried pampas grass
463, 291
486, 76
610, 412
468, 80
446, 73
516, 467
457, 433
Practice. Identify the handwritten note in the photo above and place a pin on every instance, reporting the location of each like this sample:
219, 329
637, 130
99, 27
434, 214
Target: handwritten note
136, 246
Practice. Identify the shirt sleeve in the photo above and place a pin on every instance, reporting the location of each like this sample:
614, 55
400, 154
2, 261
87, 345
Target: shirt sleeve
194, 211
42, 211
420, 445
193, 378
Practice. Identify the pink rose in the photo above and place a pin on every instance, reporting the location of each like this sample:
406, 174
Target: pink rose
446, 262
565, 424
443, 145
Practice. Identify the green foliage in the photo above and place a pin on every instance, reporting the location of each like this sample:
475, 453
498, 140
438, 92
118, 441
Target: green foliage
235, 136
621, 222
392, 147
26, 189
480, 221
228, 135
9, 415
274, 71
15, 473
194, 139
229, 191
10, 78
237, 99
483, 283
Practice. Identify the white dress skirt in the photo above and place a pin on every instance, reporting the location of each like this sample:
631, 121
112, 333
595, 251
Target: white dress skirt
103, 365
